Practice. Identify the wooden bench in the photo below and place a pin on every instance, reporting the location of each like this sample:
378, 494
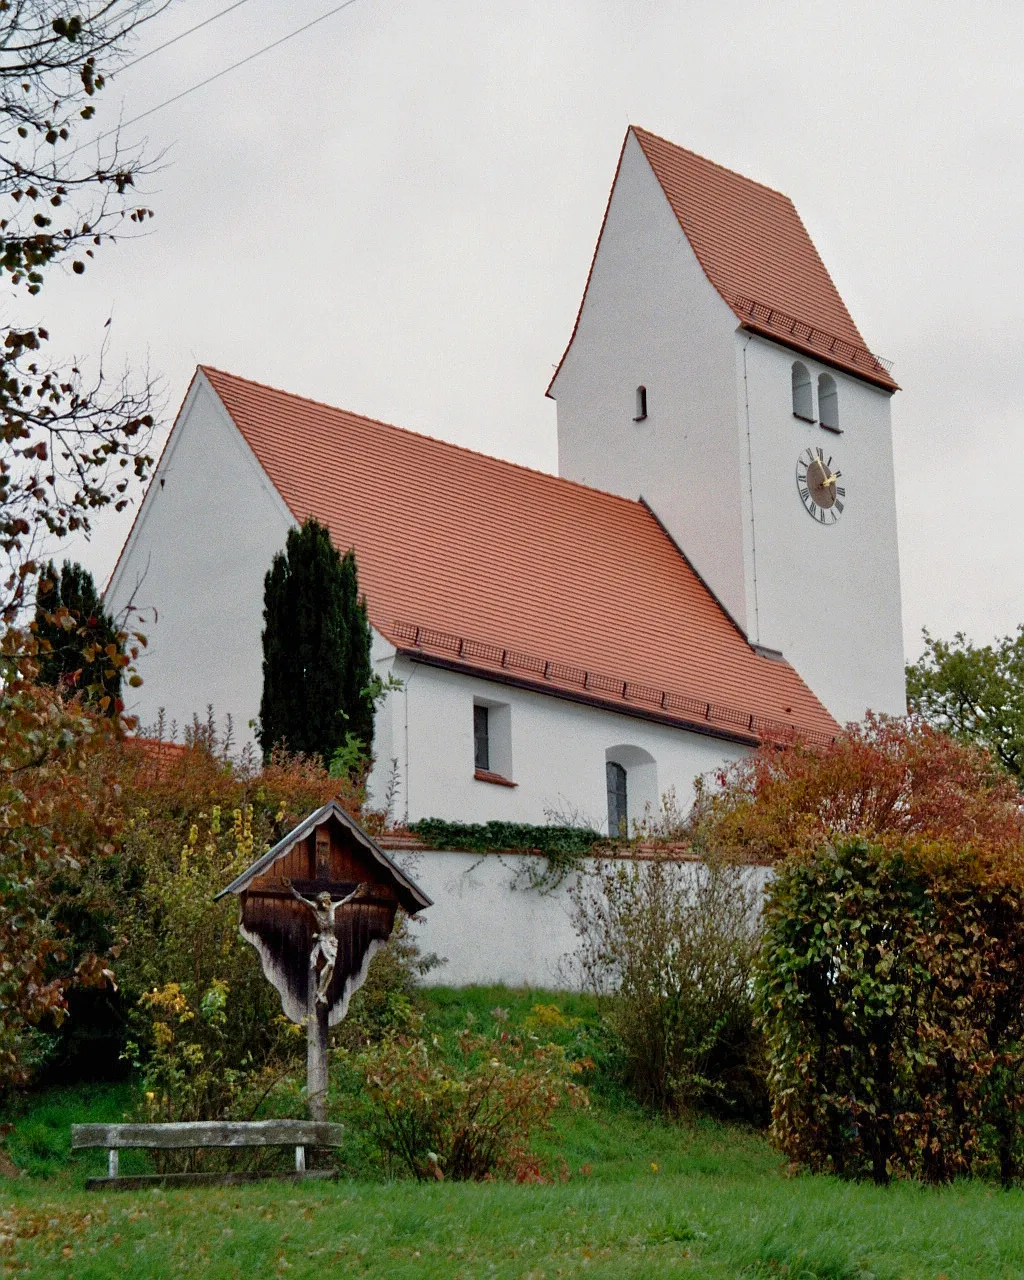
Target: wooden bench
299, 1134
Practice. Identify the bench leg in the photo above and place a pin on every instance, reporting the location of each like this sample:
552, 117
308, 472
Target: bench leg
112, 1163
300, 1159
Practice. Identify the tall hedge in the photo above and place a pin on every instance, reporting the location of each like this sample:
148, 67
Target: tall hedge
891, 989
316, 648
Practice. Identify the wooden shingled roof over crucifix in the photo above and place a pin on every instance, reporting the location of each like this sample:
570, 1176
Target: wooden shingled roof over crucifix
326, 853
316, 907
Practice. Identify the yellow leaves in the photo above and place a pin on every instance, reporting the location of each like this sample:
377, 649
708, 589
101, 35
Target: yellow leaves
548, 1017
169, 999
162, 1035
243, 832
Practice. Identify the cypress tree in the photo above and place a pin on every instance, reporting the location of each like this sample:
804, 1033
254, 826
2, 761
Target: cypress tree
78, 657
316, 648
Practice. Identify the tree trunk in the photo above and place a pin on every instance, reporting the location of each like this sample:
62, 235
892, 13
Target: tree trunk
316, 1052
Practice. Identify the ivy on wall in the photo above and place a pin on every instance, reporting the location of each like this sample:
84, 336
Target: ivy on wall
563, 848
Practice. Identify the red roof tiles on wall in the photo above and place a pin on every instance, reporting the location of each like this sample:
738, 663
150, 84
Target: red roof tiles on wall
755, 250
459, 545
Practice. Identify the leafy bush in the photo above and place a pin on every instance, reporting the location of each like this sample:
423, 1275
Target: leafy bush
473, 1118
880, 779
891, 988
671, 946
48, 748
163, 831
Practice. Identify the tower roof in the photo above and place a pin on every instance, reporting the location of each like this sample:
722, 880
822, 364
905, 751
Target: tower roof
755, 250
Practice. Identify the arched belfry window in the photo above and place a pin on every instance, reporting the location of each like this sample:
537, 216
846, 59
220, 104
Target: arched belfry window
618, 806
803, 396
828, 402
641, 404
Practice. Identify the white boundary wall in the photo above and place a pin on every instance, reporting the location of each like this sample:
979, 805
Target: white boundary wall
492, 931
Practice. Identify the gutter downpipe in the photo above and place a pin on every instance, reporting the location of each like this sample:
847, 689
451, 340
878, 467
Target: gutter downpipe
750, 492
407, 682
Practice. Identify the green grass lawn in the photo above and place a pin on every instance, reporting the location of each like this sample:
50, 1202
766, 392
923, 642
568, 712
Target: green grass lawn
642, 1198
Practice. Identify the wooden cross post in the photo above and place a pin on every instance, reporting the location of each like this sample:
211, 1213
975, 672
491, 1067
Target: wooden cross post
316, 1052
316, 1011
316, 906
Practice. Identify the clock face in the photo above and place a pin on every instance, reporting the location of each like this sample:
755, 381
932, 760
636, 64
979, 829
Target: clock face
817, 482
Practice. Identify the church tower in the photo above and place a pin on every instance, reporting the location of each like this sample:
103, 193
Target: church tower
715, 373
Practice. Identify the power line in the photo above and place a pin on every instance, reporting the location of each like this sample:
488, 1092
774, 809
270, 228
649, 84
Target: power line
275, 44
167, 43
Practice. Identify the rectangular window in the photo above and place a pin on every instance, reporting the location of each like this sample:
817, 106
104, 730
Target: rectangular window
481, 739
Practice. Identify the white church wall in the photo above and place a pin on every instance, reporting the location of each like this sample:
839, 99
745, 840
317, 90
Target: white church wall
651, 317
206, 533
491, 927
558, 751
827, 597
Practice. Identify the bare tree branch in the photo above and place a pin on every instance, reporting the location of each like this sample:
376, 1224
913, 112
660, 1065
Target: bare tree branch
68, 446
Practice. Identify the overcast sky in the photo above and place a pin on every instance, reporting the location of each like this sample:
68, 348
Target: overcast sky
395, 213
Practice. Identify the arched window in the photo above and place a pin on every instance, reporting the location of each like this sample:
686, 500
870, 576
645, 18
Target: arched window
618, 804
641, 404
828, 402
632, 777
803, 396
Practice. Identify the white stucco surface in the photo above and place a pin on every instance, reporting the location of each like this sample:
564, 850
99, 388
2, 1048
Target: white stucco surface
651, 317
491, 928
716, 457
206, 532
486, 930
827, 597
558, 752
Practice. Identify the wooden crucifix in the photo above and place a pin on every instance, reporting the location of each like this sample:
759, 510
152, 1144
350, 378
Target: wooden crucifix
317, 907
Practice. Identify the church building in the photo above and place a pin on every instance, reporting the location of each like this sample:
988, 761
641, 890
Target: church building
714, 566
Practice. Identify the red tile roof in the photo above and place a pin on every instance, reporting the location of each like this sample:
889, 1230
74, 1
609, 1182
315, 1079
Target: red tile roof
755, 250
479, 564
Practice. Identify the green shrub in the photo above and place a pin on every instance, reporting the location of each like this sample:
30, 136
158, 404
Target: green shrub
891, 989
429, 1117
671, 947
163, 831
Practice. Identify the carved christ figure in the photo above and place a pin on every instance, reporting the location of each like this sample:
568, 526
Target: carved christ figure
325, 940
